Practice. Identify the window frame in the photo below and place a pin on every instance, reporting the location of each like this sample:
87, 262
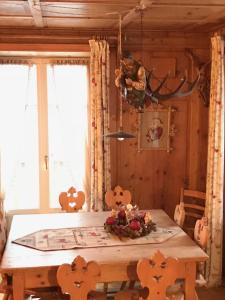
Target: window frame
42, 98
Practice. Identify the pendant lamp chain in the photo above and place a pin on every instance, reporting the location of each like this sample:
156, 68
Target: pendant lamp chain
120, 135
120, 89
142, 42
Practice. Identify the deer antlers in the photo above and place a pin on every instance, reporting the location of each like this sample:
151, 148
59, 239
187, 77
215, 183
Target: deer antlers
155, 94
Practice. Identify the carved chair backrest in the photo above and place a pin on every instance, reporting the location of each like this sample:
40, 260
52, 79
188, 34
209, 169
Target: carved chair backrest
117, 197
179, 214
201, 238
201, 232
157, 274
72, 200
194, 206
79, 278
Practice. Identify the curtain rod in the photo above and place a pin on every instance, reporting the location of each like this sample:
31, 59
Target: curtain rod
20, 60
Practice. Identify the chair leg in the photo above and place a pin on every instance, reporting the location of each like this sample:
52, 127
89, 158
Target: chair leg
123, 285
6, 297
105, 288
10, 297
131, 284
196, 296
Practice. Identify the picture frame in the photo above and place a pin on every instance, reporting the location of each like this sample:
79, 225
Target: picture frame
156, 128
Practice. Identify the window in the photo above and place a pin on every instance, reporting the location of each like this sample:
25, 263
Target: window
67, 115
43, 125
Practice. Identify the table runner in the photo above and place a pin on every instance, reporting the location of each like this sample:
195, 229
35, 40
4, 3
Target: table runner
86, 237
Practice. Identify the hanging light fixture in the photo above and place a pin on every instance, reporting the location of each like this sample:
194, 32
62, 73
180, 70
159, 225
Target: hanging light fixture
120, 135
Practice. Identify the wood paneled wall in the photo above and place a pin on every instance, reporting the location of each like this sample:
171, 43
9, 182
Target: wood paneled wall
154, 176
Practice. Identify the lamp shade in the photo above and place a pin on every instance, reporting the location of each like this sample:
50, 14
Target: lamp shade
120, 135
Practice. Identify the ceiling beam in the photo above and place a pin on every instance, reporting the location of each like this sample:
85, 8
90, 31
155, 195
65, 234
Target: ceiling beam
44, 47
128, 3
70, 32
35, 9
135, 3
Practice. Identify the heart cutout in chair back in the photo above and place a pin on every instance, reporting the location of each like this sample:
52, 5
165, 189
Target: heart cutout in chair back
72, 204
71, 201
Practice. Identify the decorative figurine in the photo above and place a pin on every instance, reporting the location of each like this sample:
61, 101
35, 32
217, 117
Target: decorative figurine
136, 87
131, 79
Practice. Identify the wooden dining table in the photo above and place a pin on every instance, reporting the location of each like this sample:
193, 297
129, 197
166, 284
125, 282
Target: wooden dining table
30, 268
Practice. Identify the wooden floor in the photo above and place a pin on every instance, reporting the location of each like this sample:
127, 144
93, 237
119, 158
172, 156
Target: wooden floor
212, 294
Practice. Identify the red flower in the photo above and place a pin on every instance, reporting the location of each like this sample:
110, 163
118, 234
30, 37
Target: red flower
110, 221
122, 214
135, 225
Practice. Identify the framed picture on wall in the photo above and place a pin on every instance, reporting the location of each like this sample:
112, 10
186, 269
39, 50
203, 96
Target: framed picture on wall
155, 129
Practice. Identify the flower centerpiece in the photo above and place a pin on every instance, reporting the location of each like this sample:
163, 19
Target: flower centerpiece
128, 221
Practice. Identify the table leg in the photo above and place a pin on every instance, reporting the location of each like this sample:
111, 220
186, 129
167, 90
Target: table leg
18, 286
190, 270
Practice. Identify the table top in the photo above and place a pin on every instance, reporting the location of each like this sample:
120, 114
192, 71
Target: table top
20, 257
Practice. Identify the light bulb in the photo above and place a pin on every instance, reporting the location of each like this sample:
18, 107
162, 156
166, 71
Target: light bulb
120, 139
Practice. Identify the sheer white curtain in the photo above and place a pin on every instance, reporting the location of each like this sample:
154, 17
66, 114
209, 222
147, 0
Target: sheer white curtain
49, 121
14, 96
18, 136
67, 119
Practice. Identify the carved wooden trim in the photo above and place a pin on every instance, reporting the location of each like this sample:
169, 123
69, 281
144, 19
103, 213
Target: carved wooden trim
201, 232
79, 278
157, 273
72, 200
117, 197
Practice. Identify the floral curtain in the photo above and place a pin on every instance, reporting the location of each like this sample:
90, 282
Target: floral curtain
215, 165
2, 216
2, 225
99, 115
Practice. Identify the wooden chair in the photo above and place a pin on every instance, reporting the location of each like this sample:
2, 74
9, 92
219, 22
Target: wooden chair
192, 208
79, 279
131, 294
158, 274
201, 232
201, 238
72, 200
157, 277
179, 214
5, 287
114, 199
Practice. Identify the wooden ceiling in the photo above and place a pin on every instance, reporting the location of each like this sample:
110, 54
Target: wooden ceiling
100, 16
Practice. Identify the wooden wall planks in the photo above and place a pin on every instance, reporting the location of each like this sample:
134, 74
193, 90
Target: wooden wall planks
155, 177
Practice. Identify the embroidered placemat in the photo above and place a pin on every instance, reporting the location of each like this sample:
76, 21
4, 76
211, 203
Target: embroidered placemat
86, 237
